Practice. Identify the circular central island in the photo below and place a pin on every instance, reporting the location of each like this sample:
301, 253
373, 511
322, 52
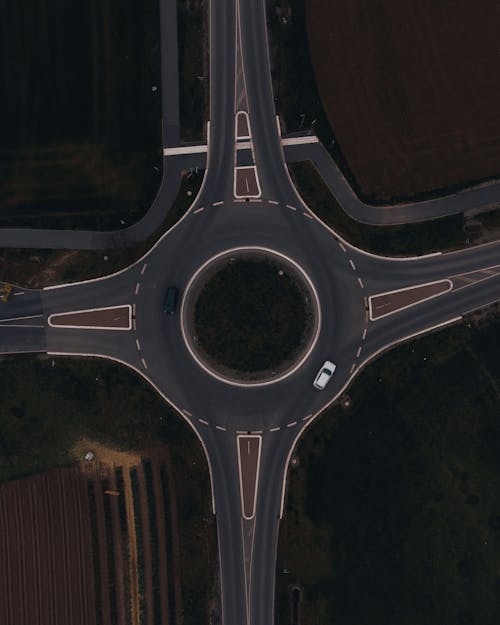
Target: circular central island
250, 316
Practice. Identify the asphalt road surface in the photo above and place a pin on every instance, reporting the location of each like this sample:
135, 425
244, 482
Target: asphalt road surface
343, 276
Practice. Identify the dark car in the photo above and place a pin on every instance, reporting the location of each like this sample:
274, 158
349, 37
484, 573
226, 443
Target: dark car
171, 300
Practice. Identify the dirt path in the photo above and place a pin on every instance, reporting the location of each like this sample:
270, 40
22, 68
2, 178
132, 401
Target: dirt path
162, 543
120, 567
176, 549
132, 549
103, 552
146, 545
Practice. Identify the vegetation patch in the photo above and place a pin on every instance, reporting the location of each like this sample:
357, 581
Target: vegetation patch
38, 268
394, 499
193, 67
252, 315
81, 131
78, 405
412, 239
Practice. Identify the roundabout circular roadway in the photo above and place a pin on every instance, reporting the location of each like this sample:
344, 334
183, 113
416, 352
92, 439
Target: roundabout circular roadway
216, 230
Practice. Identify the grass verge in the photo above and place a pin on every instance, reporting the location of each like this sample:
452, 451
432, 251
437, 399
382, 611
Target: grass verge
38, 268
411, 239
392, 515
193, 67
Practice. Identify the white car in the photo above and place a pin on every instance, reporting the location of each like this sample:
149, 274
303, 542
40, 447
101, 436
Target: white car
324, 375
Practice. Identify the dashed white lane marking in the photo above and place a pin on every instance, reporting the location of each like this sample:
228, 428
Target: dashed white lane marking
186, 412
19, 293
217, 203
138, 345
134, 324
361, 283
342, 246
144, 364
219, 427
241, 431
198, 210
352, 368
291, 424
306, 417
273, 202
359, 351
256, 201
307, 215
257, 431
291, 207
275, 429
203, 421
137, 287
364, 334
133, 309
143, 269
352, 264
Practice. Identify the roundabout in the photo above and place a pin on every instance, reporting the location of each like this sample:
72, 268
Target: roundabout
250, 316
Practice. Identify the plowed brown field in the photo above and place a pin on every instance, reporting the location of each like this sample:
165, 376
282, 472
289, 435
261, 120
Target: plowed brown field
411, 90
46, 551
70, 553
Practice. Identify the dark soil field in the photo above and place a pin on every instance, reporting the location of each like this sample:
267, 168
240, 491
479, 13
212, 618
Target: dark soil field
87, 545
411, 91
46, 573
392, 514
80, 120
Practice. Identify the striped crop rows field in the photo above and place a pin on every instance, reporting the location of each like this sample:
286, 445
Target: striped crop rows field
92, 544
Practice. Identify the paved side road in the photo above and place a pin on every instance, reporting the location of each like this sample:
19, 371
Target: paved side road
388, 215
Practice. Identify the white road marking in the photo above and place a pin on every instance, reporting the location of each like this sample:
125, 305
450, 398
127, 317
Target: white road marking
203, 421
87, 327
19, 293
198, 210
185, 149
137, 287
352, 264
342, 246
255, 201
144, 364
219, 427
217, 203
306, 214
291, 424
352, 368
273, 202
300, 140
408, 288
361, 283
257, 431
291, 207
275, 429
247, 436
359, 351
133, 310
186, 412
19, 318
143, 269
138, 345
134, 324
364, 334
306, 417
